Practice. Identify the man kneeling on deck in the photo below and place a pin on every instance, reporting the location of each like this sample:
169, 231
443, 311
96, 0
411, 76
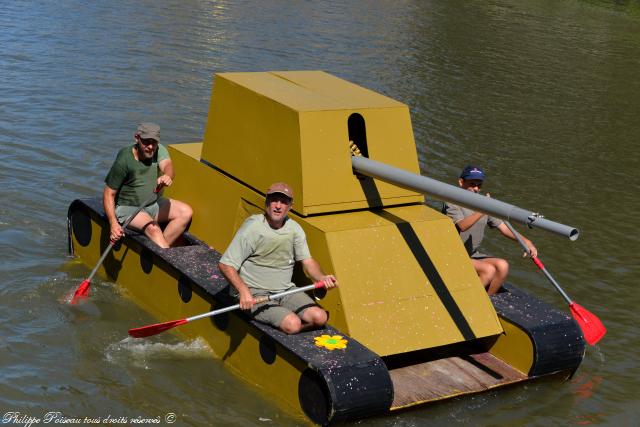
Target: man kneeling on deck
259, 262
471, 225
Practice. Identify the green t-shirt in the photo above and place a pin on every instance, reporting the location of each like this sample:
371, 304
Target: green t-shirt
134, 180
265, 257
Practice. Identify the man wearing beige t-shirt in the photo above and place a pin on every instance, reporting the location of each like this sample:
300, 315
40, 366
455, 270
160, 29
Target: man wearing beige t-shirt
260, 260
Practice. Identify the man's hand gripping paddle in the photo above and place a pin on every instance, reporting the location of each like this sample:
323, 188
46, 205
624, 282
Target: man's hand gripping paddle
149, 330
592, 328
83, 289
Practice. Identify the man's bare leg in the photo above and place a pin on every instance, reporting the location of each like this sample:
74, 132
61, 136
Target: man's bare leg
291, 324
177, 215
485, 271
150, 228
501, 271
312, 318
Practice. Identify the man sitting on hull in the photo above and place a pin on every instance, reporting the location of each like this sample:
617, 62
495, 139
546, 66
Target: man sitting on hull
136, 172
471, 225
260, 260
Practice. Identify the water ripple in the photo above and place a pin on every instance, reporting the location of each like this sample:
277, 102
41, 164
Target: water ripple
544, 96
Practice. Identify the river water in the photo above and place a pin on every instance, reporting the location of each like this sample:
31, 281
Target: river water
544, 94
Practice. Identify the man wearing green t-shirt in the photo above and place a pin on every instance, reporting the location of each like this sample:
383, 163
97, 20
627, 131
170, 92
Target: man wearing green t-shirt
259, 262
134, 175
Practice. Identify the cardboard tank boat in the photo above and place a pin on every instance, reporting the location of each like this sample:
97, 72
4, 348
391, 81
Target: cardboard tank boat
410, 322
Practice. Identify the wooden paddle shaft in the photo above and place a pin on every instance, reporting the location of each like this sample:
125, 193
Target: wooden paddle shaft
258, 301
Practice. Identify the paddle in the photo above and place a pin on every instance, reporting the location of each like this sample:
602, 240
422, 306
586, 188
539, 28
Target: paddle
83, 289
592, 328
149, 330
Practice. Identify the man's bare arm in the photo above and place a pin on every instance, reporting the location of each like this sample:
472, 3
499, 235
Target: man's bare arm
231, 274
506, 232
312, 269
466, 223
168, 174
109, 204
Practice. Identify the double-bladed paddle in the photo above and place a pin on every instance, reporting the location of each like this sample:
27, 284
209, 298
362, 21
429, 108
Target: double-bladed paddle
592, 328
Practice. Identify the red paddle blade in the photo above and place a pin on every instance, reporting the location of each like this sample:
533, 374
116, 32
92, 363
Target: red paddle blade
82, 291
147, 331
592, 328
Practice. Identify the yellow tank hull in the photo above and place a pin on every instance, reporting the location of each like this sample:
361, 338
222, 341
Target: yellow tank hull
418, 324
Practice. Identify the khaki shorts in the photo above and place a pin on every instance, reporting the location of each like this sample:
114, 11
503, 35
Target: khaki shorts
480, 255
124, 212
274, 312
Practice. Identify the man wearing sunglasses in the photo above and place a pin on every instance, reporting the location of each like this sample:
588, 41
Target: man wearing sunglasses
132, 179
471, 225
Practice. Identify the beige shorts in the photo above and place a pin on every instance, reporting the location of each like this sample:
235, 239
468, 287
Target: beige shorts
274, 312
124, 212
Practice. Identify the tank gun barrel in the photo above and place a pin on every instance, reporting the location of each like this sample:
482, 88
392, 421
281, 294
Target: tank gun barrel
459, 196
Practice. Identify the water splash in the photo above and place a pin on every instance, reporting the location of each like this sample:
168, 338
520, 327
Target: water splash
141, 353
67, 297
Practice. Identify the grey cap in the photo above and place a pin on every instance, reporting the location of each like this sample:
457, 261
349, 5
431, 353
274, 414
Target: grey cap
148, 131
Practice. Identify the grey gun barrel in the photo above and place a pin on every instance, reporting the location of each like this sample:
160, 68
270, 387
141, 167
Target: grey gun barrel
459, 196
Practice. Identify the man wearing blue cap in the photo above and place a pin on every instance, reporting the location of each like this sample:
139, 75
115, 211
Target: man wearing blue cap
492, 271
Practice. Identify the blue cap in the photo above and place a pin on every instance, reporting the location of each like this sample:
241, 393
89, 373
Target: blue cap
472, 172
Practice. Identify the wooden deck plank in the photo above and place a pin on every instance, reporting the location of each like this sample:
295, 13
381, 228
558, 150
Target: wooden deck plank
451, 376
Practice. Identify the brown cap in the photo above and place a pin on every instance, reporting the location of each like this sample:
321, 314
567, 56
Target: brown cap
282, 188
148, 131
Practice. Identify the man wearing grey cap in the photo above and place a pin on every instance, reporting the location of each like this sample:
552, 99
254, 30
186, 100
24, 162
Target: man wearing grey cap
132, 179
471, 225
260, 260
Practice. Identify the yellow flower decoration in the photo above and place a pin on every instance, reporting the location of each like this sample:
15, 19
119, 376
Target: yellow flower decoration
331, 342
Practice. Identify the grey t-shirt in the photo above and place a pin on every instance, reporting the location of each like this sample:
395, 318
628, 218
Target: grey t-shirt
265, 257
473, 236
